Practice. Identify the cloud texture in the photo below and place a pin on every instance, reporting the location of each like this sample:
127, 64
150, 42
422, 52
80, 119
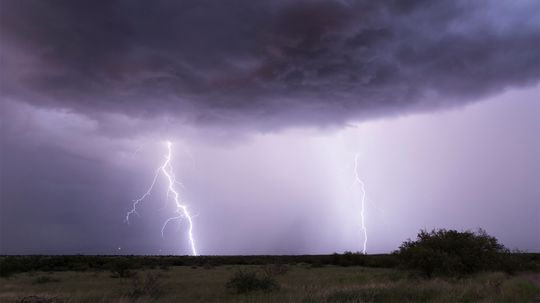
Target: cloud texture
89, 89
269, 64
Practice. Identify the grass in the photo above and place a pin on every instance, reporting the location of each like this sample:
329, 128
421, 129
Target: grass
45, 279
302, 283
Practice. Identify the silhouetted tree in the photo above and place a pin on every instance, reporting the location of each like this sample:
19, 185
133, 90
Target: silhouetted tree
451, 252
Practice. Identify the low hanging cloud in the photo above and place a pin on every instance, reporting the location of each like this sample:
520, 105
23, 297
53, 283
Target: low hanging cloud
267, 64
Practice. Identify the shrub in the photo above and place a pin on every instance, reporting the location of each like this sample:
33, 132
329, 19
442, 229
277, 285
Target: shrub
381, 261
450, 252
516, 261
248, 281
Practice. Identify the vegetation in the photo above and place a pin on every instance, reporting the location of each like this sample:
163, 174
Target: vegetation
302, 283
123, 266
454, 266
45, 279
145, 285
38, 299
453, 253
248, 281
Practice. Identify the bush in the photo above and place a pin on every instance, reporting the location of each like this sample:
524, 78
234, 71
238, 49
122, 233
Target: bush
516, 261
243, 282
382, 261
450, 252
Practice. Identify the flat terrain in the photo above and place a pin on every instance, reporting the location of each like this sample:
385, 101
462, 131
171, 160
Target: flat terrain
300, 283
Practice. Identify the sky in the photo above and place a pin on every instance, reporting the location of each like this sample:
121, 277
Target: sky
267, 105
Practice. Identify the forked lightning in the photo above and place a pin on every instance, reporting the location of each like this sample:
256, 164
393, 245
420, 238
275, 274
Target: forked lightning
362, 203
181, 208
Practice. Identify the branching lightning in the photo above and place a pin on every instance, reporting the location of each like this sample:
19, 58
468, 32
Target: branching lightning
141, 198
181, 209
362, 210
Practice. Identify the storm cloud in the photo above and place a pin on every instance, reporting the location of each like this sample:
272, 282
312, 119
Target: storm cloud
268, 64
267, 103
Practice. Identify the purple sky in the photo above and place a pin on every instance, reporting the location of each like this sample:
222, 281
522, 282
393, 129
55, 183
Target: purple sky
267, 103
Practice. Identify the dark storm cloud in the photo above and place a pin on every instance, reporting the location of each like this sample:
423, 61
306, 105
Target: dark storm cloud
274, 62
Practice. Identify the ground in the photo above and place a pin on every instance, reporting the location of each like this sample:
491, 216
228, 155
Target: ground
301, 283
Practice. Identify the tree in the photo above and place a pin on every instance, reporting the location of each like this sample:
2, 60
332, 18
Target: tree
450, 252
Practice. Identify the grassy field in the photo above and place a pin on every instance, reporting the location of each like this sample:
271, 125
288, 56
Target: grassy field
301, 283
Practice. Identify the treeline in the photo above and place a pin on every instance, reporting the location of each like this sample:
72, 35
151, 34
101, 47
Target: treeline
16, 264
10, 265
439, 252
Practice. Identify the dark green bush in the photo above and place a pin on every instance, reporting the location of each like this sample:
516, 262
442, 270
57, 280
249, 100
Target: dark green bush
248, 281
450, 252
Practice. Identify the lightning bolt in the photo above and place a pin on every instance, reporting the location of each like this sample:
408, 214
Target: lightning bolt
362, 210
181, 209
133, 210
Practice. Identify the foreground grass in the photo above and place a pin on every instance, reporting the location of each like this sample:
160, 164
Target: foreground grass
301, 284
